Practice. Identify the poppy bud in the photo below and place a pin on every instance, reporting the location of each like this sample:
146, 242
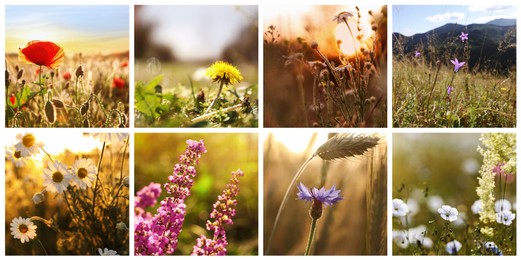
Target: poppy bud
79, 71
85, 123
6, 78
20, 74
84, 108
57, 103
52, 74
50, 112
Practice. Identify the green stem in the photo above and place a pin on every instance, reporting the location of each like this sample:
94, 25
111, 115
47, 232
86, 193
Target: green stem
216, 97
95, 191
69, 207
285, 199
311, 235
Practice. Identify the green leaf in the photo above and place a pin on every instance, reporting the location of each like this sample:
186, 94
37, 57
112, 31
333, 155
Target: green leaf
147, 99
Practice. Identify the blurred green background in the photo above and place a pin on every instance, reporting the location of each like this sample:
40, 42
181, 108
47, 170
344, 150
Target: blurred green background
155, 157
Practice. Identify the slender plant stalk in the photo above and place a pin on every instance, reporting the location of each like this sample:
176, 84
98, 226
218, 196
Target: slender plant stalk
300, 81
97, 180
311, 235
206, 116
216, 97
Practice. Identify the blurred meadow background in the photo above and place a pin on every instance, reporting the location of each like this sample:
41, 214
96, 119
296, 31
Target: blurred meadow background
155, 157
89, 88
431, 170
75, 221
322, 71
174, 45
356, 225
429, 90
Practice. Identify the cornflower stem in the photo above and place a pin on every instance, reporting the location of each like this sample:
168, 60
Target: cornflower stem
97, 180
311, 235
216, 97
285, 200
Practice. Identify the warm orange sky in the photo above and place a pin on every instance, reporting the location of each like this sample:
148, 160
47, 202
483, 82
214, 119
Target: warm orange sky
85, 29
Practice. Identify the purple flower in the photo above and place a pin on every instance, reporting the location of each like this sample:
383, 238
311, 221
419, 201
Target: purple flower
222, 213
326, 197
457, 64
449, 90
417, 54
146, 197
158, 234
464, 36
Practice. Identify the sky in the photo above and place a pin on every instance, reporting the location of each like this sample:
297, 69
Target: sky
197, 32
413, 19
86, 29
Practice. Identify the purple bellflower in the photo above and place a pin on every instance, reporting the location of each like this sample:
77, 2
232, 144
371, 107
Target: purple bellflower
457, 64
464, 36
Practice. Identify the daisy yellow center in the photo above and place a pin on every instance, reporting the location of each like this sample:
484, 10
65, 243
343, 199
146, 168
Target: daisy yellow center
57, 177
23, 228
28, 140
18, 154
82, 173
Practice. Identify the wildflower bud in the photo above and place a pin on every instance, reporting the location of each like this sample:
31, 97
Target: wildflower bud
374, 27
57, 103
315, 212
314, 45
121, 226
200, 96
23, 82
84, 108
20, 74
15, 67
52, 74
6, 78
158, 89
38, 198
79, 71
85, 123
126, 181
66, 86
50, 112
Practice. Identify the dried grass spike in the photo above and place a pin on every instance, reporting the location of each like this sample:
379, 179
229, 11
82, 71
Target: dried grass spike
345, 145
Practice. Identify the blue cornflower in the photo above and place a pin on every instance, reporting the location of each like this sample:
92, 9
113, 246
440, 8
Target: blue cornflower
326, 197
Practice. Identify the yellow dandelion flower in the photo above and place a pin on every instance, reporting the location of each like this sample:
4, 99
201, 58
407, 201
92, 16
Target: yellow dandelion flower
224, 73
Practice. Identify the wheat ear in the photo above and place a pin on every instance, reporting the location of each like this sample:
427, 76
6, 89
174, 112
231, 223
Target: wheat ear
340, 146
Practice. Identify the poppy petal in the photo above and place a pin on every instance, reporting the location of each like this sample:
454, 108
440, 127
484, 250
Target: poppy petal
42, 53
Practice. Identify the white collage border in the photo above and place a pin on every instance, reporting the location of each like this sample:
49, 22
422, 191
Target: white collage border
261, 131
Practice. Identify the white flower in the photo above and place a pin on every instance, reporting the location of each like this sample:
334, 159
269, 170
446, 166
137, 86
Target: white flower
477, 206
502, 205
342, 16
505, 217
28, 145
400, 238
417, 236
16, 157
453, 247
110, 137
490, 245
38, 198
23, 229
107, 251
448, 213
84, 173
400, 209
57, 178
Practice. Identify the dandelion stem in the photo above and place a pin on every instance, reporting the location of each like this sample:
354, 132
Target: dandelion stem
311, 235
285, 199
216, 97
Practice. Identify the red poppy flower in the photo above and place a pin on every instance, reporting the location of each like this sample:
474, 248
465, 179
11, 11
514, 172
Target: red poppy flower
67, 75
118, 83
124, 64
42, 53
12, 99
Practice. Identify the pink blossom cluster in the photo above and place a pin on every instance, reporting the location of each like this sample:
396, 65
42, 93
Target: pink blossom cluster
222, 213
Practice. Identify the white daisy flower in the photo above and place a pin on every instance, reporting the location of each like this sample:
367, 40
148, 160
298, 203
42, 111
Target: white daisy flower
23, 229
400, 209
110, 137
28, 145
505, 217
453, 247
107, 251
84, 173
16, 157
56, 177
448, 213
